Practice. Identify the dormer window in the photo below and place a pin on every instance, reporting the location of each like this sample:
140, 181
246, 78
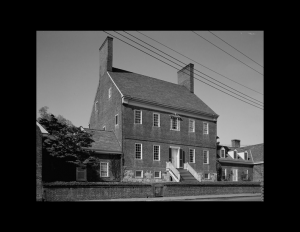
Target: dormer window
246, 155
222, 152
109, 92
234, 154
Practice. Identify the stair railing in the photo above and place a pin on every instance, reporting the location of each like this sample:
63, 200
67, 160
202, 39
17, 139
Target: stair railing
173, 171
188, 167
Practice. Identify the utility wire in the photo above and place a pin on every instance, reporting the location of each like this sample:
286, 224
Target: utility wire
199, 63
227, 53
179, 69
194, 69
185, 64
235, 49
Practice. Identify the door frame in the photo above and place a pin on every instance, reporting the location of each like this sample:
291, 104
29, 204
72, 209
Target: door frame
177, 154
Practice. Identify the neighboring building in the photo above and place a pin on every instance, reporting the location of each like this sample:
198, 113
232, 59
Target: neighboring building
165, 132
241, 163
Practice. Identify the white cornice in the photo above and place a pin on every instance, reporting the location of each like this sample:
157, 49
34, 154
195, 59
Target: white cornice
167, 109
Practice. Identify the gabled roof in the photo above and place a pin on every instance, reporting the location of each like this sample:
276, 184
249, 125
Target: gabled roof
153, 90
257, 152
105, 141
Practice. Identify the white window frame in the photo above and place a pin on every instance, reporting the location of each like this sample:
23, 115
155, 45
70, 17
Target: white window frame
158, 152
158, 119
107, 169
207, 155
222, 149
141, 113
225, 172
159, 174
237, 174
247, 173
193, 123
190, 149
142, 174
178, 124
117, 119
205, 123
246, 153
136, 151
96, 106
79, 169
109, 92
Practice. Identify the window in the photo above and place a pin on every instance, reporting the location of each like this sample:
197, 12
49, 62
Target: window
96, 106
103, 169
139, 174
156, 152
191, 125
234, 155
137, 116
192, 155
246, 174
175, 124
104, 128
138, 151
224, 173
206, 176
205, 128
157, 174
205, 157
116, 119
109, 92
246, 155
222, 152
80, 174
156, 119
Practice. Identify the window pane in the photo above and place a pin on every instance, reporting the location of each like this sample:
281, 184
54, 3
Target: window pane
138, 151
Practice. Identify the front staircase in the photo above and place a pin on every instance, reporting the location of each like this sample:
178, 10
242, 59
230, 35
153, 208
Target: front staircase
186, 176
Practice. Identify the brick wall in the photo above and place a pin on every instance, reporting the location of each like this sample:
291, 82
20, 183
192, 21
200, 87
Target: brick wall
148, 136
39, 187
62, 192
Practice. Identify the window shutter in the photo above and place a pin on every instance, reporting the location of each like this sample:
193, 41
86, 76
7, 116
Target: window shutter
170, 155
183, 155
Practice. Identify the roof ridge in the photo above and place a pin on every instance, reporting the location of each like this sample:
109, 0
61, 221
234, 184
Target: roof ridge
154, 78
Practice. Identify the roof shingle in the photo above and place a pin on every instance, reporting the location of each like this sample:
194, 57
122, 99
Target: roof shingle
154, 90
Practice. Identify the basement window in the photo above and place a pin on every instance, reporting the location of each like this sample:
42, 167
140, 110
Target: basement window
157, 174
139, 174
206, 176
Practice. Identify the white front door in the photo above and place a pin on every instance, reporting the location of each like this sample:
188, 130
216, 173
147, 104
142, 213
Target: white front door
235, 175
175, 157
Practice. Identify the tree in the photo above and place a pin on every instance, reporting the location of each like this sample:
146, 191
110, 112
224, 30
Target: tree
65, 140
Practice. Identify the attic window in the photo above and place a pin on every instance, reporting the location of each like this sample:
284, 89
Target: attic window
96, 106
109, 92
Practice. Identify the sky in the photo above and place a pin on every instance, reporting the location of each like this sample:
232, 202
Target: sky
67, 64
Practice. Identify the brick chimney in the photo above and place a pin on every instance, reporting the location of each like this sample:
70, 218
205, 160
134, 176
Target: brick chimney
186, 77
235, 143
106, 55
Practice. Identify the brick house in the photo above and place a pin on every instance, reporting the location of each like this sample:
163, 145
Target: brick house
165, 132
241, 163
